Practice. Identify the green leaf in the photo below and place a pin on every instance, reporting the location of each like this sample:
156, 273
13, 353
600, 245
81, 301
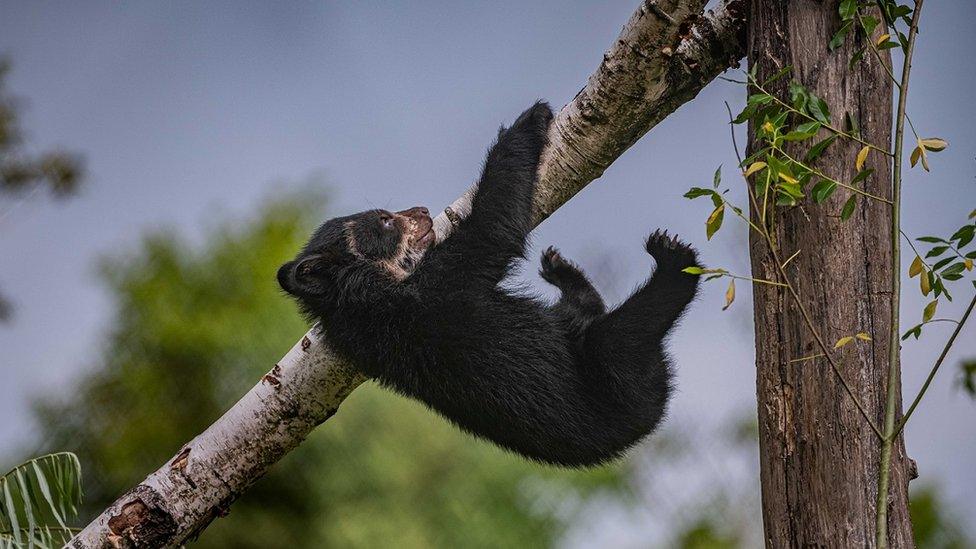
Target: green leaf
696, 192
915, 331
803, 131
851, 123
693, 270
838, 39
818, 149
847, 9
954, 269
942, 263
861, 176
929, 312
964, 235
931, 239
936, 251
818, 109
848, 209
799, 96
779, 74
717, 178
759, 99
822, 190
748, 112
868, 23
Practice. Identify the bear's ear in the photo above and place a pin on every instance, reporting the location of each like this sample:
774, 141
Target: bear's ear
303, 277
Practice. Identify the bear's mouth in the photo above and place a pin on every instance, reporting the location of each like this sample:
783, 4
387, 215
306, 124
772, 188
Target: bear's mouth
421, 228
425, 239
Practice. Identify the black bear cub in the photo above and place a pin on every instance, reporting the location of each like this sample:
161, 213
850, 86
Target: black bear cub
569, 384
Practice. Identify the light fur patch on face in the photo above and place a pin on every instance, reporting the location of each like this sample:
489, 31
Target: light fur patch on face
404, 260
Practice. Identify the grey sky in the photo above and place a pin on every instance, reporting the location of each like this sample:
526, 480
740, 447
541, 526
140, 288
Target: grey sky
184, 109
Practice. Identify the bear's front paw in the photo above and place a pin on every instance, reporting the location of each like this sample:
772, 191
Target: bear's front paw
669, 252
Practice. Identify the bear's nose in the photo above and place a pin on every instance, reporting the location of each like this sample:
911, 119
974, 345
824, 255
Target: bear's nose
416, 211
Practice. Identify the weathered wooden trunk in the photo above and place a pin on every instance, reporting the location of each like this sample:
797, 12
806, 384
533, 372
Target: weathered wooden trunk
819, 458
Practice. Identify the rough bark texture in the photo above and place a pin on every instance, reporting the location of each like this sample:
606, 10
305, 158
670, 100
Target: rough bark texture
818, 457
664, 56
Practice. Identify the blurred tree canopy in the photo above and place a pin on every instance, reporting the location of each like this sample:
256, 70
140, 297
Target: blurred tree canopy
197, 325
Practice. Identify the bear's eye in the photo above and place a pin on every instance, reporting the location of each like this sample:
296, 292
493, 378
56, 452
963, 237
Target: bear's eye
386, 221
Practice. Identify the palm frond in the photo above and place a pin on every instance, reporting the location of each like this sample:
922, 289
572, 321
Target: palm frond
37, 500
42, 537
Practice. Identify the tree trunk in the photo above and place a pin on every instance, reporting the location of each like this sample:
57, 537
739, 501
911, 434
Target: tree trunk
664, 56
819, 458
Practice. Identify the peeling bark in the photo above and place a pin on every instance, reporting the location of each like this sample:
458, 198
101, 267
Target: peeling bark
667, 52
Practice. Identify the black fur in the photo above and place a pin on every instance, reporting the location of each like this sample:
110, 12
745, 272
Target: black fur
569, 384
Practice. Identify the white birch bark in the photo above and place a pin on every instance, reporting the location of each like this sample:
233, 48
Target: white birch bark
665, 54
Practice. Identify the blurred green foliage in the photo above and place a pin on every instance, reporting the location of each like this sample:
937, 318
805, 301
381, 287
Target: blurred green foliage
935, 527
197, 325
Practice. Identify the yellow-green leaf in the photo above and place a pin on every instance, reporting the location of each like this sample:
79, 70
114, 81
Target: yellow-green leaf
843, 341
916, 267
714, 221
919, 154
755, 167
768, 127
916, 154
969, 264
924, 283
693, 270
881, 39
929, 311
863, 336
729, 294
788, 178
934, 144
862, 157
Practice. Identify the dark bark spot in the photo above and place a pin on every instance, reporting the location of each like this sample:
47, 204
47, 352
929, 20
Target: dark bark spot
684, 29
142, 525
179, 462
272, 380
306, 343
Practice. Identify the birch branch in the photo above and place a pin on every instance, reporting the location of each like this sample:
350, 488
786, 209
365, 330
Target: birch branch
665, 54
